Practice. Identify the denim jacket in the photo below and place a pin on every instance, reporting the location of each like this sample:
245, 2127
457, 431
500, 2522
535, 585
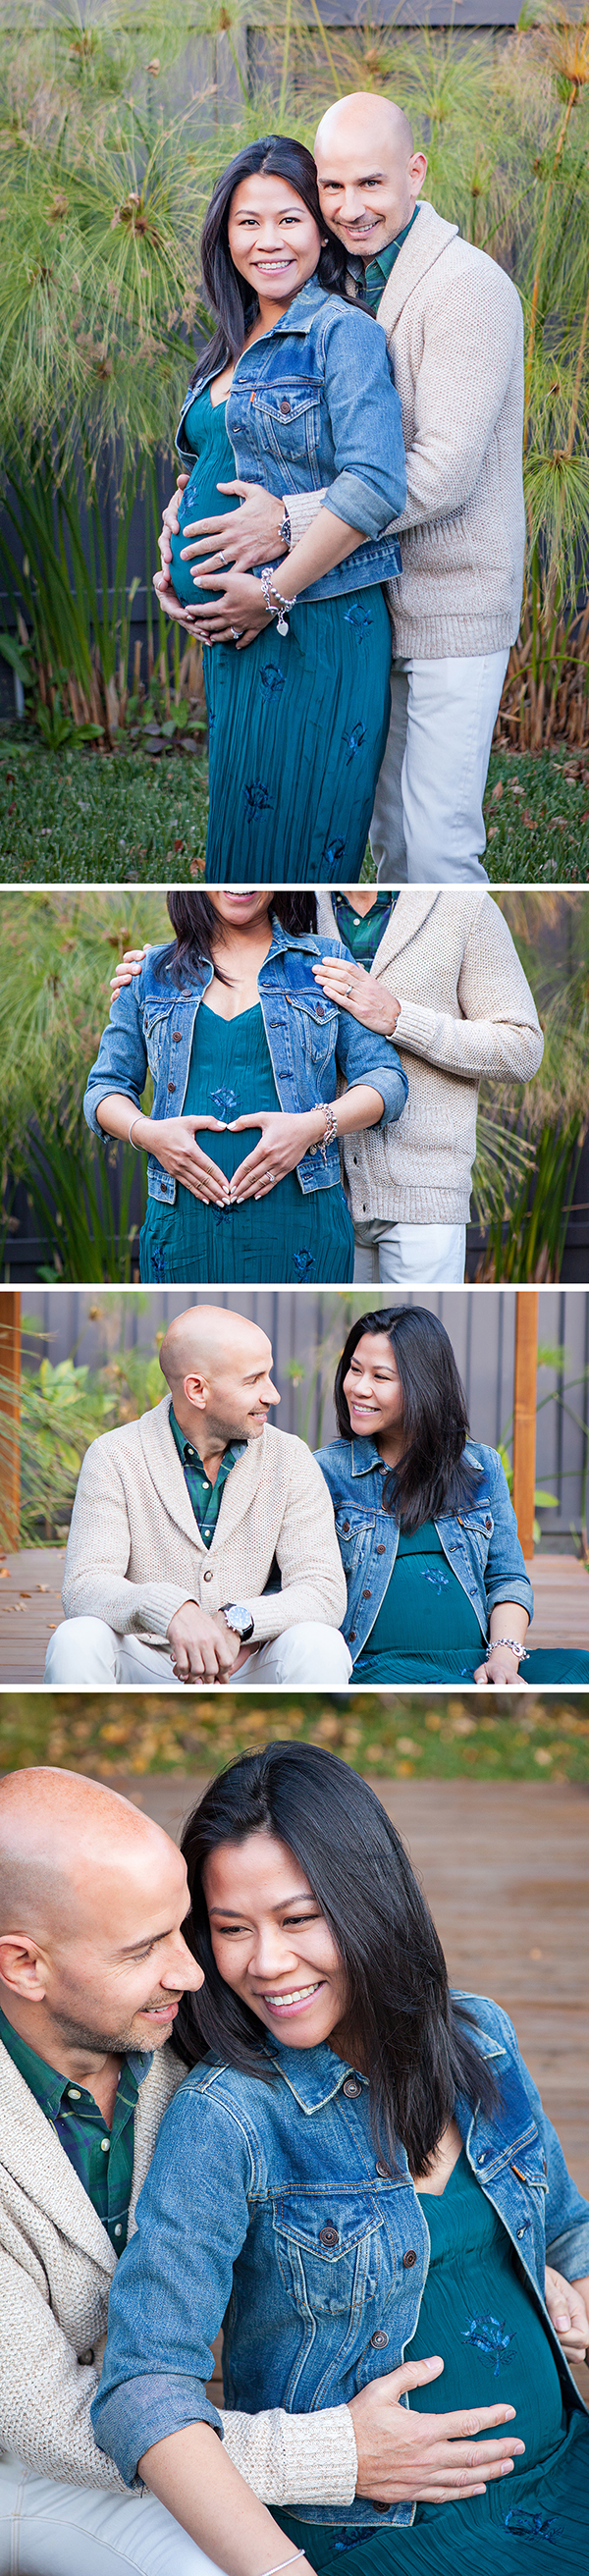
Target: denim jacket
480, 1543
313, 403
267, 2210
152, 1023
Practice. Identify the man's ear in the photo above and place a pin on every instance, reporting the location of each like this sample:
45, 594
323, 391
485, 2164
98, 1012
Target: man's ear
22, 1967
195, 1390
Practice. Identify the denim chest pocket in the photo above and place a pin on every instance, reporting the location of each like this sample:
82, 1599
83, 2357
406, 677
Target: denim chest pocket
315, 1024
478, 1527
156, 1031
330, 2265
354, 1535
287, 423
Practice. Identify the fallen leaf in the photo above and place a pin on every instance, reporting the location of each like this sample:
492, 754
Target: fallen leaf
497, 792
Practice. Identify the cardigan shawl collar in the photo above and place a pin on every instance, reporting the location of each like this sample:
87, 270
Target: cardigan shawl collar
424, 245
167, 1476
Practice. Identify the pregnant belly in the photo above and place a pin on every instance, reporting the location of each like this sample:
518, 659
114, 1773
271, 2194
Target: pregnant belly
201, 500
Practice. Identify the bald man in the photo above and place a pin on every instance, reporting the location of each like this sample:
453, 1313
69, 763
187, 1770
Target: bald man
453, 323
92, 1967
179, 1523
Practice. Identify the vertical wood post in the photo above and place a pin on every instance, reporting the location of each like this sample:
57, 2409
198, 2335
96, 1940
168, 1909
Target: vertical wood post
10, 1370
524, 1412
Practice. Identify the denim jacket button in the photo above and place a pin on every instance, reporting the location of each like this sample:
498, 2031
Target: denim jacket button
380, 1551
409, 2258
328, 2236
378, 2341
171, 1086
352, 2088
382, 2170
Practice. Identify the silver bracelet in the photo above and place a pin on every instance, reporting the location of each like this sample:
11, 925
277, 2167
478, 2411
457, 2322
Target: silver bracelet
330, 1129
136, 1148
522, 1652
268, 585
285, 2562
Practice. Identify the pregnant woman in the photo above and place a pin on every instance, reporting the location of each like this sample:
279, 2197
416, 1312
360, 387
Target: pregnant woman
437, 1585
245, 1054
295, 392
357, 2175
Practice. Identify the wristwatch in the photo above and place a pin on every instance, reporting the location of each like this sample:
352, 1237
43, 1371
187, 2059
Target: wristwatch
239, 1619
285, 530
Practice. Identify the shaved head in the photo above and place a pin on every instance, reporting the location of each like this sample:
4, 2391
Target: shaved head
59, 1832
368, 172
206, 1339
93, 1896
360, 116
217, 1365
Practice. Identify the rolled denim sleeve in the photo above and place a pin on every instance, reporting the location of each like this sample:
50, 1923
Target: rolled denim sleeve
121, 1063
505, 1572
371, 482
364, 1057
173, 2283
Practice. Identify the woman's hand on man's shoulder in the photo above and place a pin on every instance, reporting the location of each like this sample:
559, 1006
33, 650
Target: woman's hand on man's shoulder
128, 966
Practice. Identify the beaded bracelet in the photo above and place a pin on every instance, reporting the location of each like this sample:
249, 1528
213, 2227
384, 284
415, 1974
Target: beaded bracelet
330, 1129
522, 1652
268, 585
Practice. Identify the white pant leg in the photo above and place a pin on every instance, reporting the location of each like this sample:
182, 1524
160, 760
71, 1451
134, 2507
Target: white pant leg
387, 832
51, 2530
310, 1656
87, 1651
451, 711
412, 1256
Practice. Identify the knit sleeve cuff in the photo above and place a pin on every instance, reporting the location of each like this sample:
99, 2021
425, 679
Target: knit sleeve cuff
303, 508
295, 2459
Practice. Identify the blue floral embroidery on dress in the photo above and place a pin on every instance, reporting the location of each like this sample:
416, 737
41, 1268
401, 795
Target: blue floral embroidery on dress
303, 1264
271, 679
225, 1102
488, 2335
532, 2526
158, 1263
257, 798
353, 741
333, 853
440, 1581
358, 617
221, 1214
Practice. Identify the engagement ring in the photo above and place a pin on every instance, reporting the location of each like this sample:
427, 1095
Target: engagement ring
236, 632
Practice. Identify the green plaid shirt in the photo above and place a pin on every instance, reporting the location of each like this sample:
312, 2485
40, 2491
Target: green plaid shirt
367, 278
362, 932
101, 2157
205, 1497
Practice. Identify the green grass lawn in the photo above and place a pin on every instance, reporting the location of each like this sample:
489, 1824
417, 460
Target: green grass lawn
83, 816
512, 1737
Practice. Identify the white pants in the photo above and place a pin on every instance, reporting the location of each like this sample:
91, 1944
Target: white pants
410, 1256
51, 2530
427, 827
86, 1652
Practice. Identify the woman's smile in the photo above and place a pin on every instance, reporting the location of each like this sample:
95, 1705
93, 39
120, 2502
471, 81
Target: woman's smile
266, 1925
297, 2000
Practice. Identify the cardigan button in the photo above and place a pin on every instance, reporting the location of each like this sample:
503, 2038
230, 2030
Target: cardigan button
207, 1578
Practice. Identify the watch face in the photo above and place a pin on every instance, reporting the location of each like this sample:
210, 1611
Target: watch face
240, 1619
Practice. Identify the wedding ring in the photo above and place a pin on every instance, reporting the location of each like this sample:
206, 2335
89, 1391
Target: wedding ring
270, 1176
236, 632
347, 989
222, 558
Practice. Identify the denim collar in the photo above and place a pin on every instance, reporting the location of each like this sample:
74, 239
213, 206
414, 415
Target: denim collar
300, 313
314, 2075
367, 1461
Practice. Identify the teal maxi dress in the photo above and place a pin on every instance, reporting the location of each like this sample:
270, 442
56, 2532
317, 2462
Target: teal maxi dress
290, 1235
427, 1631
297, 723
478, 2312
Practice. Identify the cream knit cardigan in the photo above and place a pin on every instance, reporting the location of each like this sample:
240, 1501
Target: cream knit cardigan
453, 322
135, 1551
56, 2266
466, 1011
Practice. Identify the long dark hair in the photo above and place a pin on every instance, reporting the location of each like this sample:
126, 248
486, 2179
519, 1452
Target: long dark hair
415, 2041
199, 930
229, 296
433, 1476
